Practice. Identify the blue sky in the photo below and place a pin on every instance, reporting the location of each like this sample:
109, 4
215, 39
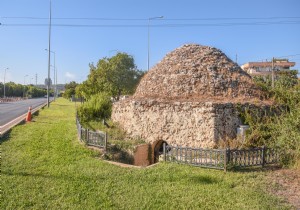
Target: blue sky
234, 26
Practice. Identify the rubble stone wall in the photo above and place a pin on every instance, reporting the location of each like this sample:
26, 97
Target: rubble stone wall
195, 71
193, 124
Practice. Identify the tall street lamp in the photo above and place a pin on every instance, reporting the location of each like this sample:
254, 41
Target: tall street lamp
24, 86
4, 81
54, 71
55, 82
49, 57
149, 19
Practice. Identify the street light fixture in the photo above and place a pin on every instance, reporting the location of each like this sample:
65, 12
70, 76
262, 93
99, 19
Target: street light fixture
24, 86
149, 19
4, 81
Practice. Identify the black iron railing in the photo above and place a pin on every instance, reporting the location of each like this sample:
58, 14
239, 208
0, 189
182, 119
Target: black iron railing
220, 158
91, 138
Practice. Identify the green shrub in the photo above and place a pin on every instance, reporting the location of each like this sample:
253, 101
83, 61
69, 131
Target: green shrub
98, 107
281, 131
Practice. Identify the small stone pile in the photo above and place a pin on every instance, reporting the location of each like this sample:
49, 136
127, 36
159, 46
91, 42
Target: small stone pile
196, 72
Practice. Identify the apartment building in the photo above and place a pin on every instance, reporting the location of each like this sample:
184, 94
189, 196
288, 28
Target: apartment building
265, 68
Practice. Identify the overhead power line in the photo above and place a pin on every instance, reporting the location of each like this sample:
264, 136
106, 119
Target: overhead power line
282, 56
157, 25
146, 19
178, 22
286, 56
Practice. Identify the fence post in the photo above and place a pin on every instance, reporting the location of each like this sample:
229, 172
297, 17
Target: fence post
105, 141
79, 132
263, 155
87, 136
164, 151
225, 160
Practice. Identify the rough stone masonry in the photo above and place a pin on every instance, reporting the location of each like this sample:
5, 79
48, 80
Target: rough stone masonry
189, 99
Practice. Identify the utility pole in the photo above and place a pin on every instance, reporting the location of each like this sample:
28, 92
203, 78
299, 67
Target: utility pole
49, 57
56, 83
273, 72
35, 79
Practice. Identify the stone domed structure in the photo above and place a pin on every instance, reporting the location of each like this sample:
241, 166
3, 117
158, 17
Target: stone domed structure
197, 72
188, 99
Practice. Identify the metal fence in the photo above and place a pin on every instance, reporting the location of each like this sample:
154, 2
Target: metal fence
91, 138
220, 158
210, 158
252, 157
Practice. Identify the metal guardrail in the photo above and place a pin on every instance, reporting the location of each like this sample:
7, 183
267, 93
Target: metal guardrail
220, 158
91, 138
5, 128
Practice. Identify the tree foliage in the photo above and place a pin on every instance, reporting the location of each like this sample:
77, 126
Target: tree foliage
98, 107
115, 76
70, 89
279, 131
17, 90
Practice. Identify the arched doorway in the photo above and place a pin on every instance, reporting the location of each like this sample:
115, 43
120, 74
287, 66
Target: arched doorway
158, 149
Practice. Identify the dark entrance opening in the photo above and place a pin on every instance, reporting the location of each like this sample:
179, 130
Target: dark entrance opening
158, 149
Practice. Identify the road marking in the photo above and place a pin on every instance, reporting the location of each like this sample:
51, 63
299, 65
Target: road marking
16, 121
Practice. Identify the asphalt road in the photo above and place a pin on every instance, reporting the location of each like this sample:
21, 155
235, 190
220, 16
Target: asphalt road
12, 110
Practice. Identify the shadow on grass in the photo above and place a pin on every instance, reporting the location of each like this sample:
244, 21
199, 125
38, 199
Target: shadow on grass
48, 176
272, 167
200, 179
5, 137
118, 154
36, 113
46, 122
60, 105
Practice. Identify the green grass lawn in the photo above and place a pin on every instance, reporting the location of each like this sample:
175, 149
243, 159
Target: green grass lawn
43, 166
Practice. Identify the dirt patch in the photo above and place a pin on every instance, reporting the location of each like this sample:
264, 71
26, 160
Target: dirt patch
286, 184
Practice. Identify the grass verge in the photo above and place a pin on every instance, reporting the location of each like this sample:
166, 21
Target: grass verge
43, 166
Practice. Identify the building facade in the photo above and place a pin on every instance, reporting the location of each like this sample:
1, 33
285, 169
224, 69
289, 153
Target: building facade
265, 68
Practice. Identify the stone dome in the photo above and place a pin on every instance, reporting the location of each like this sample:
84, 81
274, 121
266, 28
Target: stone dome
194, 71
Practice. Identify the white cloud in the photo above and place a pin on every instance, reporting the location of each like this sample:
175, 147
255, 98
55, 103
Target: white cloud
70, 75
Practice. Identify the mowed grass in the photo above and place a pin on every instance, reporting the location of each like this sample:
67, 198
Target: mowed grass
43, 166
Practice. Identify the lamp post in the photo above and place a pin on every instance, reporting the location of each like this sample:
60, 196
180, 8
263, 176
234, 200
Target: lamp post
54, 84
4, 82
54, 72
149, 19
49, 56
24, 86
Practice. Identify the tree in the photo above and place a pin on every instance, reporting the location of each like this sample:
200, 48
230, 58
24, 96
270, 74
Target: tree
70, 89
97, 108
116, 75
34, 92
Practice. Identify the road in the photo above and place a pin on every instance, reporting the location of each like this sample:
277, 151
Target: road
12, 110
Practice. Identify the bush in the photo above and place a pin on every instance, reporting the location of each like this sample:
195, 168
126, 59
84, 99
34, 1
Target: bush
282, 131
98, 107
